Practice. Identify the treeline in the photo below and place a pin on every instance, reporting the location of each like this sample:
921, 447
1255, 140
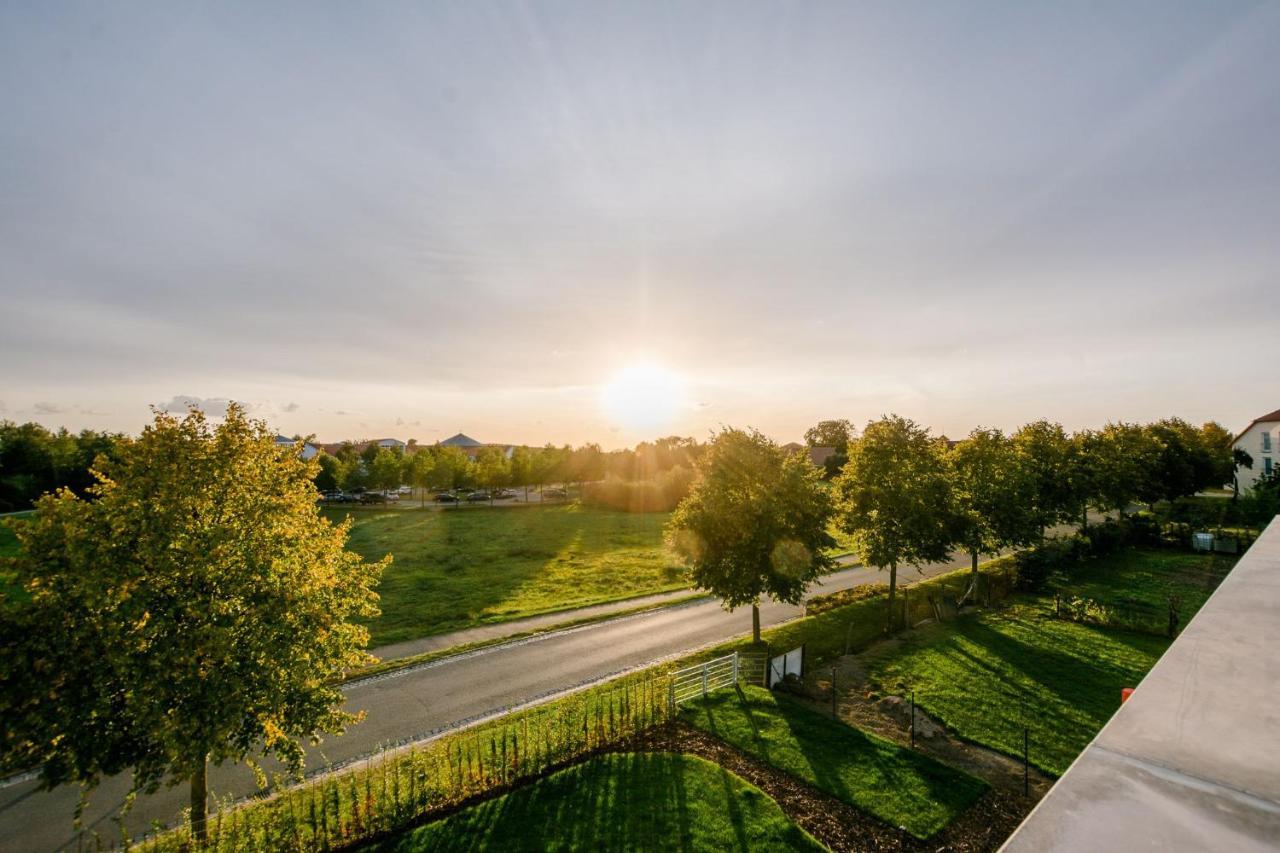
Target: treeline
653, 475
35, 460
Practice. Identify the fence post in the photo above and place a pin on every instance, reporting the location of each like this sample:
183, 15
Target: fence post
833, 691
913, 719
671, 698
735, 668
1026, 763
704, 681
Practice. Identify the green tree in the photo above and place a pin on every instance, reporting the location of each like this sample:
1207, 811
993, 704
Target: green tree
522, 469
492, 469
1047, 453
386, 469
197, 608
1217, 444
1120, 458
328, 472
835, 434
895, 500
991, 492
755, 523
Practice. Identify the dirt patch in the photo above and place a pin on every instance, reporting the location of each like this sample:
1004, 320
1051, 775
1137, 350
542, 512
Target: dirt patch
983, 826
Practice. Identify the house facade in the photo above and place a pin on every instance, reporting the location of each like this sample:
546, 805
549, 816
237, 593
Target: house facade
309, 451
1261, 440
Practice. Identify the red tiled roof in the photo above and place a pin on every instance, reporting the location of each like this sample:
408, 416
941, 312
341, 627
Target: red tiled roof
1270, 418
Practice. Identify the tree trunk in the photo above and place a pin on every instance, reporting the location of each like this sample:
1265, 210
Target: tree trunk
755, 623
1084, 519
200, 803
893, 593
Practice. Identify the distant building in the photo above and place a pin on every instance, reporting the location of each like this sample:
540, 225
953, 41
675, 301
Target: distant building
817, 455
472, 448
309, 451
1261, 440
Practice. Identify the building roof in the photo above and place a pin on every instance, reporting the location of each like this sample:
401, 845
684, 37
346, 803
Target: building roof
461, 440
1273, 417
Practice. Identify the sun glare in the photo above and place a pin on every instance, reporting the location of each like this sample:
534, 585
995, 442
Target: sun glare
642, 396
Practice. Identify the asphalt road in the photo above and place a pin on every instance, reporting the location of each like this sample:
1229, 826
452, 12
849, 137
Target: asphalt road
413, 704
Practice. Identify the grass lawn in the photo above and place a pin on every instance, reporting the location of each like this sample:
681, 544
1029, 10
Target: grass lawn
641, 801
985, 675
896, 785
1151, 577
456, 568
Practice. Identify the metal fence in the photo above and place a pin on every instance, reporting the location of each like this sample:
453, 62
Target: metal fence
700, 679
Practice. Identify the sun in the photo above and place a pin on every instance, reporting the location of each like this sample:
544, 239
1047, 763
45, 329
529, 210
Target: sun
642, 396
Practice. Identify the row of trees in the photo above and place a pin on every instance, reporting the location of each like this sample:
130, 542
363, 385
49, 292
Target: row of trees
35, 460
759, 521
439, 467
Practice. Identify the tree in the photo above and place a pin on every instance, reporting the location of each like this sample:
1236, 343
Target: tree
1217, 444
196, 608
328, 472
1240, 458
755, 523
385, 469
586, 464
992, 492
1120, 458
895, 500
835, 434
1047, 454
492, 469
522, 469
450, 469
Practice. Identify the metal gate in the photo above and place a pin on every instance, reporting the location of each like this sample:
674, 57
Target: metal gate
700, 679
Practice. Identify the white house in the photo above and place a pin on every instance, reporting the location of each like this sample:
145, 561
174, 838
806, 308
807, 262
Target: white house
1261, 440
308, 450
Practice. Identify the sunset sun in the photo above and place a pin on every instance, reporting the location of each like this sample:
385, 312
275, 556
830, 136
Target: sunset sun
642, 396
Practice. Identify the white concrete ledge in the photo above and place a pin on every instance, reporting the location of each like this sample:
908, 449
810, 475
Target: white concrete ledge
1192, 761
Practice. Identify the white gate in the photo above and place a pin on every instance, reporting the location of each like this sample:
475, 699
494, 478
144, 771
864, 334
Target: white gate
700, 679
791, 663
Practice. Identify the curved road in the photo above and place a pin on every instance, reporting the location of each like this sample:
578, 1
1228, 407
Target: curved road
413, 704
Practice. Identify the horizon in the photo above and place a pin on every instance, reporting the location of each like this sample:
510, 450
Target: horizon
611, 224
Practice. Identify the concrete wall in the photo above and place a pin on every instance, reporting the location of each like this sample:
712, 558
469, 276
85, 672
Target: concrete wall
1192, 761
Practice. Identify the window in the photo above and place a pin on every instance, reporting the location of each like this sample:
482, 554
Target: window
1266, 442
1266, 466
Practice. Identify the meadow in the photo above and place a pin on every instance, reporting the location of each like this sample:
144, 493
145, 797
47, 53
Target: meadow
457, 568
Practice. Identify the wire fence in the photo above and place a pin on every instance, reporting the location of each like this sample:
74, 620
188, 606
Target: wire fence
400, 788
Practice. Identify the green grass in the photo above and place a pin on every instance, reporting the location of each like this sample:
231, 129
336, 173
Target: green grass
457, 568
8, 548
896, 785
1150, 577
986, 675
642, 801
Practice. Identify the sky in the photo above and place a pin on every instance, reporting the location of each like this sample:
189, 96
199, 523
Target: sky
415, 219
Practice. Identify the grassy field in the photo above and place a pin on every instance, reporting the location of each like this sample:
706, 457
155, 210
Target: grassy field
619, 802
896, 785
454, 569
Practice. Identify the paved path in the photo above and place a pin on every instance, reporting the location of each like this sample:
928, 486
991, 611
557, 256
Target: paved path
418, 701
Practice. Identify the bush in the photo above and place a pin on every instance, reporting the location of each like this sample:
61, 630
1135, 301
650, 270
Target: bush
1039, 565
822, 603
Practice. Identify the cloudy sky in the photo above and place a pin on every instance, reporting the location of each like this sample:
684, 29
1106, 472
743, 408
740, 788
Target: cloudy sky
368, 219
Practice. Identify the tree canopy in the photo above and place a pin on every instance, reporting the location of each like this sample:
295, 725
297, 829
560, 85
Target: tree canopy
895, 499
197, 608
754, 523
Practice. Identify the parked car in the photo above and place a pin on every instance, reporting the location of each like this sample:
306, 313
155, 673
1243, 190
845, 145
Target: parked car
339, 497
404, 490
446, 498
554, 493
478, 496
503, 494
373, 498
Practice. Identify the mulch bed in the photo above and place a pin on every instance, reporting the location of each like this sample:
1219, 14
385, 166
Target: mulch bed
983, 826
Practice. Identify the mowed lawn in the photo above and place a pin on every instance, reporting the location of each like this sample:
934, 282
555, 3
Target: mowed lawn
896, 785
456, 568
638, 801
987, 675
